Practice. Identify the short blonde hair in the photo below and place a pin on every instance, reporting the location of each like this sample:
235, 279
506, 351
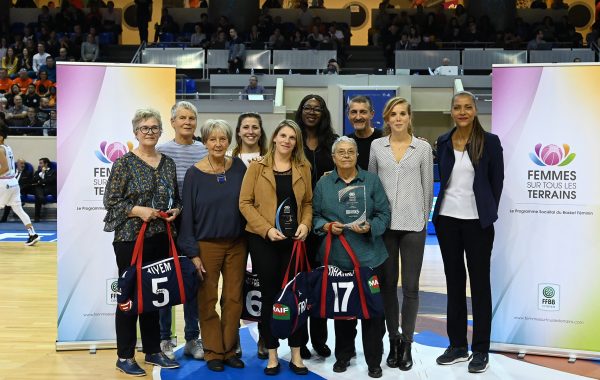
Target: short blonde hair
145, 114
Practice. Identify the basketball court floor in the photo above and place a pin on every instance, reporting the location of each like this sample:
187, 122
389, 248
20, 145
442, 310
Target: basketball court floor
28, 315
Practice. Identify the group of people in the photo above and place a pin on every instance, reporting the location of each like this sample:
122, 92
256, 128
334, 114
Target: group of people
228, 209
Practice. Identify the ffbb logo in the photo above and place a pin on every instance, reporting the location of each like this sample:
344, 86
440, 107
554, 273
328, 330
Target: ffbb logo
549, 297
374, 284
281, 312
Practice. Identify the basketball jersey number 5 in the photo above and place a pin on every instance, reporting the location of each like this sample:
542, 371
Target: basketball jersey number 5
346, 287
159, 291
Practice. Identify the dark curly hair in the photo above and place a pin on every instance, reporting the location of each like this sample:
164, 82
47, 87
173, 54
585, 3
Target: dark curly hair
325, 134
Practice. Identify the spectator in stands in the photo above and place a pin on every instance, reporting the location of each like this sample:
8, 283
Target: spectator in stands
167, 25
237, 52
315, 37
18, 44
23, 80
276, 40
511, 41
112, 21
538, 42
198, 38
31, 98
94, 17
299, 40
43, 84
17, 114
427, 43
52, 44
44, 110
3, 108
332, 67
14, 91
66, 43
253, 87
39, 59
24, 175
207, 26
224, 23
306, 16
26, 61
50, 68
220, 41
5, 81
403, 43
3, 46
77, 40
10, 62
549, 29
90, 50
49, 126
44, 18
62, 56
43, 36
44, 181
414, 37
28, 35
33, 123
143, 12
52, 96
339, 41
539, 4
388, 41
256, 39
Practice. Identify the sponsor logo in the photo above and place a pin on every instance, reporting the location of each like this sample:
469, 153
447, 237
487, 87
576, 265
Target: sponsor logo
549, 297
374, 284
109, 153
281, 312
552, 155
112, 290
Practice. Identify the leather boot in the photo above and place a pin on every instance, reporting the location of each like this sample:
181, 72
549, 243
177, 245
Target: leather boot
405, 361
392, 359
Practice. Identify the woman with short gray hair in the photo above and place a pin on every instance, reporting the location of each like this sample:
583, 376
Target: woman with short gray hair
212, 235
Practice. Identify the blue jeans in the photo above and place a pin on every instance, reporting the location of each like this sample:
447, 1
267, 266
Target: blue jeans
190, 316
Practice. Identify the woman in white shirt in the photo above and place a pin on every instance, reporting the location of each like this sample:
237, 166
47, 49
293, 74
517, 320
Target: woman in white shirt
405, 166
250, 138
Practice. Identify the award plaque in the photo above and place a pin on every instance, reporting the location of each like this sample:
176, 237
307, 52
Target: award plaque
285, 219
354, 204
163, 196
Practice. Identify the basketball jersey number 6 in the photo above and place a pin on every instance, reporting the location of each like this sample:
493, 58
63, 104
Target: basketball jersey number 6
158, 291
348, 286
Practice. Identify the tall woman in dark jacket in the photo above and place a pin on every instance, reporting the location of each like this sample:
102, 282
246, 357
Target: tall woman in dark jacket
471, 176
314, 120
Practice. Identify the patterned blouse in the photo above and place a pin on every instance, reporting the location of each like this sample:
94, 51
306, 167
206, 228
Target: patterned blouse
132, 182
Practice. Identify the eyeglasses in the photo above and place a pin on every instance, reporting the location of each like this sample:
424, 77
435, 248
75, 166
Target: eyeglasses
310, 109
347, 153
146, 130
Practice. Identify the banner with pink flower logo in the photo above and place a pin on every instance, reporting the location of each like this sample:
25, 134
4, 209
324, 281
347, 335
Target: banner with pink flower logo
545, 261
96, 104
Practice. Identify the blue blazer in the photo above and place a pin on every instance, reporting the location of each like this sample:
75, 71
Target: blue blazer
489, 176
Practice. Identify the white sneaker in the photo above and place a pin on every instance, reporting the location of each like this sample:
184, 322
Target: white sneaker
167, 346
194, 348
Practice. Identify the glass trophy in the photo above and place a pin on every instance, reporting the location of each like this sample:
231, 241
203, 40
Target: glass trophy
354, 203
163, 196
285, 219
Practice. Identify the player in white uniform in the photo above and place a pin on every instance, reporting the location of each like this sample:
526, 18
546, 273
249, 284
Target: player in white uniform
10, 193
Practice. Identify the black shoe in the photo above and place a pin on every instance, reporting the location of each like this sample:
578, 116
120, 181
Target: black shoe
273, 370
238, 349
261, 350
215, 365
130, 367
323, 351
341, 365
160, 360
375, 372
305, 352
392, 359
479, 363
233, 362
298, 370
405, 361
453, 355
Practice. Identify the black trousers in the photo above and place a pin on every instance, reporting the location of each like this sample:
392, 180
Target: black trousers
156, 247
317, 326
373, 331
457, 237
269, 262
40, 198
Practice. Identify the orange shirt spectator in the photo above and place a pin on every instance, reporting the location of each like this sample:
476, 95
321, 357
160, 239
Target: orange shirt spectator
43, 81
5, 81
23, 80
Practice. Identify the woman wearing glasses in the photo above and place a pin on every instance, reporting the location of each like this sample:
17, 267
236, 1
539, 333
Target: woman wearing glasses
405, 166
212, 230
282, 177
364, 234
141, 184
314, 120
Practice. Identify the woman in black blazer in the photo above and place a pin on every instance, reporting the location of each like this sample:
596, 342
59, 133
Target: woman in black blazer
471, 176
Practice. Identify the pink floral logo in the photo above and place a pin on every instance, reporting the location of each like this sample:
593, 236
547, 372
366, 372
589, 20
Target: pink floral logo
552, 155
109, 153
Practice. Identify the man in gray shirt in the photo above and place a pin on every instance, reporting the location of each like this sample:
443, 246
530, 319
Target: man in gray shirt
185, 151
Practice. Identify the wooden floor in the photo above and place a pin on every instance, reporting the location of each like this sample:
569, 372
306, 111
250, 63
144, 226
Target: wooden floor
28, 322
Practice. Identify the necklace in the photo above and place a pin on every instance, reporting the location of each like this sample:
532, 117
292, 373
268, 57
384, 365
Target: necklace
221, 177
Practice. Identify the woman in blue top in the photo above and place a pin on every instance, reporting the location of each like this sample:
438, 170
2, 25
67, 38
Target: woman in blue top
363, 235
471, 177
405, 166
212, 230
